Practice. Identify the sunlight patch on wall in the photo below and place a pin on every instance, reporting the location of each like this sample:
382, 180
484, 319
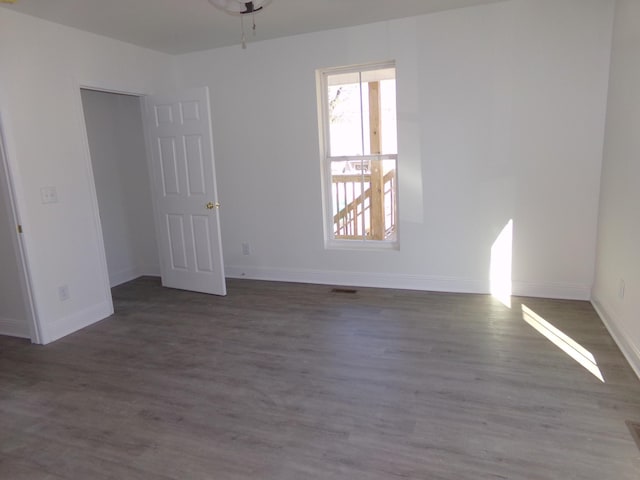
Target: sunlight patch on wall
500, 268
565, 343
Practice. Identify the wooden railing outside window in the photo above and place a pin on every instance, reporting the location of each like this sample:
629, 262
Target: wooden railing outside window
366, 203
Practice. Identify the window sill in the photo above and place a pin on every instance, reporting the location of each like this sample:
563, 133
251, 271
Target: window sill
362, 245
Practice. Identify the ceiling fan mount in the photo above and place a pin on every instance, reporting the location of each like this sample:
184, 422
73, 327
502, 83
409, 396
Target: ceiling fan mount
240, 7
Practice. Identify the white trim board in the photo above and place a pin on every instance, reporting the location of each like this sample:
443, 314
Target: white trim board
71, 324
630, 351
562, 291
14, 328
124, 276
359, 279
406, 282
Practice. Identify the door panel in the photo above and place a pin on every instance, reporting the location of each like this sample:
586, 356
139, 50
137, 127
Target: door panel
169, 166
195, 165
182, 167
175, 230
200, 226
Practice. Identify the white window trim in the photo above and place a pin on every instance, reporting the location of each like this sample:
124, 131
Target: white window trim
330, 242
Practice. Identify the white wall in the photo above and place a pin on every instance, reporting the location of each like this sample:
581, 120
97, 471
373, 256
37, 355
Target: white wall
13, 315
43, 66
501, 116
619, 227
116, 141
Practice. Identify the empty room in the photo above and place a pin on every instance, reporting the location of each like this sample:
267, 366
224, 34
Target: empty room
319, 239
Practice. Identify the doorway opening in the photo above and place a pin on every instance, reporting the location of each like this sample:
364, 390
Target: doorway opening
153, 170
115, 134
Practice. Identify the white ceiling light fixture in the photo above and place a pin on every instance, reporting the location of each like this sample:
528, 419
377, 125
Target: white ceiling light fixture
242, 8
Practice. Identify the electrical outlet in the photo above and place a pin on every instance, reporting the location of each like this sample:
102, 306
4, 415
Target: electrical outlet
49, 195
621, 288
63, 293
246, 248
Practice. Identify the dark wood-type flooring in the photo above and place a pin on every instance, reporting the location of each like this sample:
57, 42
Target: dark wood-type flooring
282, 381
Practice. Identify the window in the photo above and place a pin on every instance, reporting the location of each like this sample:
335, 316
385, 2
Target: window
359, 155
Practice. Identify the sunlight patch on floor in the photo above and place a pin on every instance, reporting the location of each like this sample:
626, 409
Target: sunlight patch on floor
572, 348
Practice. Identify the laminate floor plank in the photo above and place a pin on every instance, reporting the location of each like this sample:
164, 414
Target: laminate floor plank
281, 381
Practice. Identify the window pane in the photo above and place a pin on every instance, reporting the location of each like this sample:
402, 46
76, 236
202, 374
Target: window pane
345, 119
362, 113
389, 198
380, 111
348, 182
388, 120
364, 199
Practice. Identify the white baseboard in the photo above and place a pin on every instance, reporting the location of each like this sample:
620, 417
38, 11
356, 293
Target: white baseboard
65, 326
405, 282
630, 351
123, 276
149, 271
564, 291
359, 279
14, 328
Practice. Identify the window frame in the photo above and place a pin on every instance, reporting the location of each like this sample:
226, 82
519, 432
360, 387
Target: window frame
326, 160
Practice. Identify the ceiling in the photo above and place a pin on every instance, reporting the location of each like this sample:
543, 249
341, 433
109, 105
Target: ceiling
181, 26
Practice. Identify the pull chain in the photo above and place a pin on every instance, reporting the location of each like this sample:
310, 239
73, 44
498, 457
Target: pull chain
244, 40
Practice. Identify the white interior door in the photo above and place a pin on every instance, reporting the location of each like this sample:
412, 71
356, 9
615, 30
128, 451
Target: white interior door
185, 196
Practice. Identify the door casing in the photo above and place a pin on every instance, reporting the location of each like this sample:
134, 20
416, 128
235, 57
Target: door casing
8, 190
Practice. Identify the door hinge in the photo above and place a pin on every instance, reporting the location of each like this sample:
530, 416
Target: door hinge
19, 228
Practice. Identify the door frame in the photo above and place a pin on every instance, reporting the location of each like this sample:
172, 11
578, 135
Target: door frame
8, 182
101, 87
82, 125
9, 185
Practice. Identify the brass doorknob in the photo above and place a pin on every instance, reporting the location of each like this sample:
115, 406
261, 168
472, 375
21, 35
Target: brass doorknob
211, 205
